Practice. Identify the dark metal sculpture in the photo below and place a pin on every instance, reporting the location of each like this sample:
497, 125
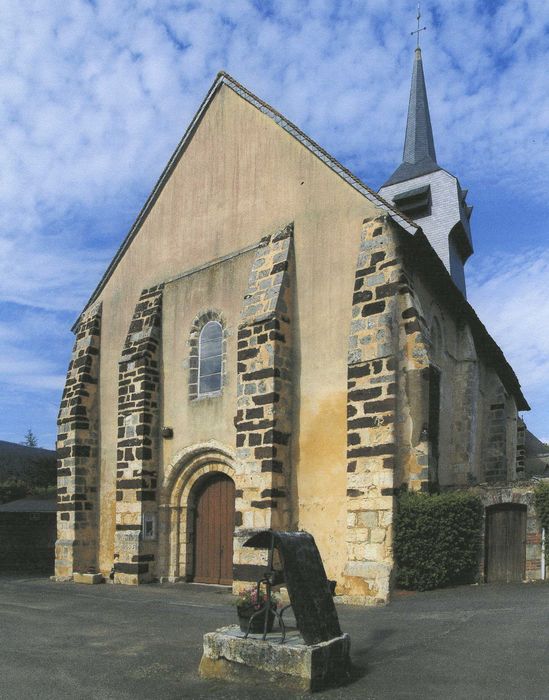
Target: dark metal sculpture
308, 587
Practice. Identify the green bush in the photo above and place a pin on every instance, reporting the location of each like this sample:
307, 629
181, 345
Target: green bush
541, 498
437, 539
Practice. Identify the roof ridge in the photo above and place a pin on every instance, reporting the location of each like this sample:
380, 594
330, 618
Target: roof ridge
328, 156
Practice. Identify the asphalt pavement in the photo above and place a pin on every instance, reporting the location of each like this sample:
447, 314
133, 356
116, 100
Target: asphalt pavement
61, 641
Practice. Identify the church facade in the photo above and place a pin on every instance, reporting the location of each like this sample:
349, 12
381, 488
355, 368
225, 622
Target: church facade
275, 345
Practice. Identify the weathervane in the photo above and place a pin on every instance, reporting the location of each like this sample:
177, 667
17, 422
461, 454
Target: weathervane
419, 29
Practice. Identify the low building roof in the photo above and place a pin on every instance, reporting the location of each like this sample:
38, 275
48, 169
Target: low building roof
30, 505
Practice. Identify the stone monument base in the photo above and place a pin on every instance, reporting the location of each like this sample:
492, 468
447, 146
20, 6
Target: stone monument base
87, 578
295, 665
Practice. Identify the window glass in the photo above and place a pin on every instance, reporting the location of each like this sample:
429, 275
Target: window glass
149, 526
210, 358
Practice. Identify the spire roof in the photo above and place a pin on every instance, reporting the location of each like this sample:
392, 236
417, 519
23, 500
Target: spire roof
419, 157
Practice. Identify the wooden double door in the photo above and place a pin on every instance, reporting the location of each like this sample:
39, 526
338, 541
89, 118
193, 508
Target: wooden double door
505, 543
213, 530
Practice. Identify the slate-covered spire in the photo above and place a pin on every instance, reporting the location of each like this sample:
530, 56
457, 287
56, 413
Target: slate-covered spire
419, 157
427, 193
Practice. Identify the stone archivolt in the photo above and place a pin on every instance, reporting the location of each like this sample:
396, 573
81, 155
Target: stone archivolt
176, 510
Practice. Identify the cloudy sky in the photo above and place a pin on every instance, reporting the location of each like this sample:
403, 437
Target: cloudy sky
95, 94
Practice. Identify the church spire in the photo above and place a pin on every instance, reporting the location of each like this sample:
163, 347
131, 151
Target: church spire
419, 157
424, 191
419, 145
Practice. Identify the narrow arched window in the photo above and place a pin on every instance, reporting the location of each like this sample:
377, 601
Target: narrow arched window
437, 341
210, 358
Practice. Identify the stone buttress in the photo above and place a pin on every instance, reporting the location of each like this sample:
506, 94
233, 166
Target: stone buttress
494, 442
264, 405
387, 348
77, 450
138, 441
463, 439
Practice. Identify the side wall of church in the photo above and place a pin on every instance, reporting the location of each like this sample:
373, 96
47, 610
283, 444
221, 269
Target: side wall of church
477, 432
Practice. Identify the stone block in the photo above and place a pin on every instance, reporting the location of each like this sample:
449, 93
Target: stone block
294, 665
367, 518
378, 535
368, 569
88, 578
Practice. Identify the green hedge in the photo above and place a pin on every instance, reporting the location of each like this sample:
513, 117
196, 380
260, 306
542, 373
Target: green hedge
437, 539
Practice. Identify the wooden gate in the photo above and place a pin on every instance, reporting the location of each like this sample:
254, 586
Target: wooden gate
505, 543
213, 530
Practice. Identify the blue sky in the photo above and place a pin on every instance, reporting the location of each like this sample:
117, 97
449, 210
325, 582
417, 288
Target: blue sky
95, 94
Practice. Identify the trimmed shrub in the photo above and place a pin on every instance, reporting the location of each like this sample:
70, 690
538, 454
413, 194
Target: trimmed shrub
437, 539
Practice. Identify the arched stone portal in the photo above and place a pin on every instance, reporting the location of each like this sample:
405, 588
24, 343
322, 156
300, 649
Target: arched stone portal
185, 480
519, 501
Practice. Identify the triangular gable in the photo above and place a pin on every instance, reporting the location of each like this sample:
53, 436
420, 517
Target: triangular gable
225, 79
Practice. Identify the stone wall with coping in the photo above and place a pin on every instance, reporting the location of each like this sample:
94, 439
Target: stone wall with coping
77, 451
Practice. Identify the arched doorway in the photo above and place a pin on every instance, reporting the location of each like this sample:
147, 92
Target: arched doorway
505, 543
213, 497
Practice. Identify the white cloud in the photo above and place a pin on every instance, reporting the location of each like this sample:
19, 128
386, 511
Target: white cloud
34, 347
509, 292
95, 95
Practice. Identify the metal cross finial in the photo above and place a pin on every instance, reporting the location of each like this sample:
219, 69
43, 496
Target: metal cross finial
419, 29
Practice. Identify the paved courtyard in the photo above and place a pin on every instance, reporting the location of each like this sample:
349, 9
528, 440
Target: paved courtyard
62, 641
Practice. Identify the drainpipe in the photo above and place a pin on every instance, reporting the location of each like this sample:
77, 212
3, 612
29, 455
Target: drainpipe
543, 554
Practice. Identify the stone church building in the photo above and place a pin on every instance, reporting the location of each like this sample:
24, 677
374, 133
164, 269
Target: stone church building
276, 345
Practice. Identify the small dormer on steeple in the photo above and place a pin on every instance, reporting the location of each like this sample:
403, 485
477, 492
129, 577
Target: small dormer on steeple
427, 193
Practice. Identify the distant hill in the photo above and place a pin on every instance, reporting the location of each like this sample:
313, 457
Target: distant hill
15, 459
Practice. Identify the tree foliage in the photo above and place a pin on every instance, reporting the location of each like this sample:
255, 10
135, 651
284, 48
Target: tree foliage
541, 499
40, 473
11, 490
437, 539
30, 439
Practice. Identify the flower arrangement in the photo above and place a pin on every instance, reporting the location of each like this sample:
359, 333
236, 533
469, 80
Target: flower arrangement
249, 598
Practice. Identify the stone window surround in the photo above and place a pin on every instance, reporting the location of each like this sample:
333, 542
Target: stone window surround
198, 324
